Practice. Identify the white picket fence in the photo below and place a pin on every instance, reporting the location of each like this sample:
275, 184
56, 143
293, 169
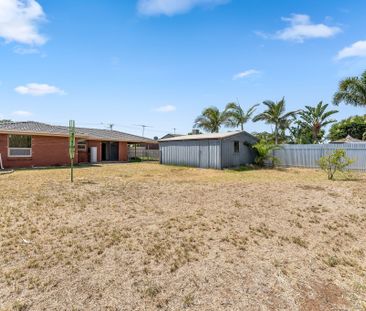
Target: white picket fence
309, 155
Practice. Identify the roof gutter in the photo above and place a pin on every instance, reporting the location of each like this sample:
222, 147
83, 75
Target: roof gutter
7, 132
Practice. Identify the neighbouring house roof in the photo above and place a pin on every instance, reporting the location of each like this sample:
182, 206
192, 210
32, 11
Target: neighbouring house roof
38, 128
206, 136
169, 135
348, 139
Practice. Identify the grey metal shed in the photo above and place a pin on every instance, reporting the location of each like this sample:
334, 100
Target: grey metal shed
214, 150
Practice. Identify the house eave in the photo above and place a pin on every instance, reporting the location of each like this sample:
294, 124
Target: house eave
12, 132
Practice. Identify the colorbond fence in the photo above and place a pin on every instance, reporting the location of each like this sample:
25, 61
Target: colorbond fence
309, 155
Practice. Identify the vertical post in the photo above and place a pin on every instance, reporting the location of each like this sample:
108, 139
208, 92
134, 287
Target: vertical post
72, 147
1, 163
135, 152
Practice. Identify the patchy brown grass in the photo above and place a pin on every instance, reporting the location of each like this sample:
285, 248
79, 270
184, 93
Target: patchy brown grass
149, 237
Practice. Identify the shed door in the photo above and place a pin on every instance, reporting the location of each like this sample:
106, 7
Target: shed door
204, 155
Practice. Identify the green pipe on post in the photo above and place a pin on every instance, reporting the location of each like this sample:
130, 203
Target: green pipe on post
72, 146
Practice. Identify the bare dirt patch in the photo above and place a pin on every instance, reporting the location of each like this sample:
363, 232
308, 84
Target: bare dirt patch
150, 237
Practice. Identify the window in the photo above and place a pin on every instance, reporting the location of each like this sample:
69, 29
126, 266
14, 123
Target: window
20, 146
236, 146
82, 145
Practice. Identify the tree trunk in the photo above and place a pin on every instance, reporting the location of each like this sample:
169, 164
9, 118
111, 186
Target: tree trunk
315, 136
276, 134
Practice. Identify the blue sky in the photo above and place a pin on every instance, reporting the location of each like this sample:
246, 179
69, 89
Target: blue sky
160, 62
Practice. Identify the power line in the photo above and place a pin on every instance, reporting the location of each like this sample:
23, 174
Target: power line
143, 128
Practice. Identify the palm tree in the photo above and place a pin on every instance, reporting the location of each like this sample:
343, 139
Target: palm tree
352, 91
315, 119
236, 116
275, 114
210, 120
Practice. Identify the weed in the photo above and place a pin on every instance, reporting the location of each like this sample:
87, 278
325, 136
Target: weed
332, 261
188, 300
299, 241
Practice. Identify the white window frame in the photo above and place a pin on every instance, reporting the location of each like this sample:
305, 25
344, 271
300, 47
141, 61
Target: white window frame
20, 156
82, 143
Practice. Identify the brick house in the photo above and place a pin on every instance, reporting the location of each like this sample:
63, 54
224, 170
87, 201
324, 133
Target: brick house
34, 144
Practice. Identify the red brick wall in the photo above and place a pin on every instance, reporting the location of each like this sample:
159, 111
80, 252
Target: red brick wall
123, 151
53, 151
46, 151
83, 156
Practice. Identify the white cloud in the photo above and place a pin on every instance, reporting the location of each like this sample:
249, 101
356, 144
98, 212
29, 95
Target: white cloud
37, 89
19, 21
245, 74
172, 7
167, 108
22, 113
357, 49
301, 28
25, 51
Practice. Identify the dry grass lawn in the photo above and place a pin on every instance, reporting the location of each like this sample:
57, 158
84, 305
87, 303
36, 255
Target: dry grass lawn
149, 237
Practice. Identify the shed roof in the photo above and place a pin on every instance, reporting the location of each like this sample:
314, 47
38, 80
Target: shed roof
170, 135
206, 136
38, 128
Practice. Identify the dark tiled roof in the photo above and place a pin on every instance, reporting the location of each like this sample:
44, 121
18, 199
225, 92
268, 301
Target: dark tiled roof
112, 135
31, 127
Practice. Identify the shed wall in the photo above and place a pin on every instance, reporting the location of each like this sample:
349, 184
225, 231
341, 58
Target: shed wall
194, 153
246, 154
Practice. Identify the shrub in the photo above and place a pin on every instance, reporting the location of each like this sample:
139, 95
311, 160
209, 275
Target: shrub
265, 153
334, 162
135, 159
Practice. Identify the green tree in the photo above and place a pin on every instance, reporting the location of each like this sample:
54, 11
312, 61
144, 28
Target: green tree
265, 153
265, 136
352, 91
315, 119
3, 121
210, 120
275, 115
334, 162
236, 116
354, 126
299, 134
